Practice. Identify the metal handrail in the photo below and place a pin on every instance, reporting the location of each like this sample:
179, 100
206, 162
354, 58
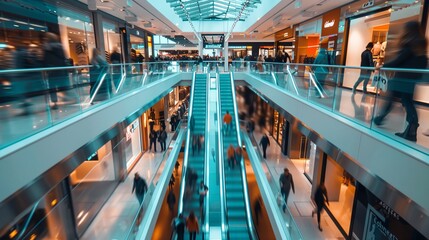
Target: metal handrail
289, 73
187, 144
207, 158
224, 220
242, 165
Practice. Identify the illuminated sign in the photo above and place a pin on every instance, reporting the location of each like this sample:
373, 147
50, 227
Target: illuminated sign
329, 24
237, 47
286, 34
218, 45
368, 4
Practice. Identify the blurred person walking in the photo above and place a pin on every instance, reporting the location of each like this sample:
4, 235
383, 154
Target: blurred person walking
140, 187
115, 58
366, 60
178, 224
231, 156
23, 83
171, 201
412, 54
320, 196
99, 67
265, 142
227, 120
321, 72
152, 138
192, 226
286, 183
162, 138
53, 56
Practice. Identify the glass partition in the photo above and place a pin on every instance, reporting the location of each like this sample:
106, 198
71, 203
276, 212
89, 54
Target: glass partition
392, 113
30, 102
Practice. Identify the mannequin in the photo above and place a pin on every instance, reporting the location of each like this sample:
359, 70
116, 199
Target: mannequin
376, 49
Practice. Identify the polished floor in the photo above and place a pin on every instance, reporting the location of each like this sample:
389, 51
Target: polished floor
115, 218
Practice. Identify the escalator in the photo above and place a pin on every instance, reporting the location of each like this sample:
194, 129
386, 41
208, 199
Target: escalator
235, 190
195, 156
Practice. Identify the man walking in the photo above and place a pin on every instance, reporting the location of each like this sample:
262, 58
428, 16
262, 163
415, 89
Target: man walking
265, 142
366, 60
162, 138
227, 119
140, 187
286, 182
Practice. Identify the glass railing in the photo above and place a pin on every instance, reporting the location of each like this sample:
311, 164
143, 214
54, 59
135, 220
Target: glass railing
32, 100
291, 231
331, 87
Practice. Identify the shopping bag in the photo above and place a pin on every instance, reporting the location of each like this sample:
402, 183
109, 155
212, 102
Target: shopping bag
380, 81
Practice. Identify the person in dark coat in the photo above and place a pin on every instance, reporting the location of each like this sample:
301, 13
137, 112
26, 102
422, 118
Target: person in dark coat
152, 137
412, 54
321, 72
54, 56
140, 187
162, 138
115, 58
265, 142
320, 196
171, 200
366, 60
179, 224
99, 67
286, 183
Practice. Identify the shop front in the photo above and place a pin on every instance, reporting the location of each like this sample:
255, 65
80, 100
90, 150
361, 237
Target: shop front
374, 219
25, 28
363, 29
285, 42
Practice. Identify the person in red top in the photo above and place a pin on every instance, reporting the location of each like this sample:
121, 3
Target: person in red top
192, 226
227, 119
231, 156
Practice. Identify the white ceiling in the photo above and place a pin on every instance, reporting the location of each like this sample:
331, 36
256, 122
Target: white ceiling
286, 13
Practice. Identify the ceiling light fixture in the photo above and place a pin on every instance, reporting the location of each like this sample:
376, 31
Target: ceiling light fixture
189, 20
245, 4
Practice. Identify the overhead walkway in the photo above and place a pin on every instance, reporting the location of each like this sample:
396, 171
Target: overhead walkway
74, 119
345, 121
238, 213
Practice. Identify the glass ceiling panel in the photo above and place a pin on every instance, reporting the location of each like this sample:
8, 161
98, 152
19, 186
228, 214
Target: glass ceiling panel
208, 10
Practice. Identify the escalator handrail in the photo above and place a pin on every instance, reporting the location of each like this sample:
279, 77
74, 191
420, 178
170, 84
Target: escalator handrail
207, 158
252, 231
224, 220
187, 144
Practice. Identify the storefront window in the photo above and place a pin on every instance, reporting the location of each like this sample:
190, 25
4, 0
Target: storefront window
133, 143
92, 183
341, 191
112, 38
371, 28
309, 162
25, 29
48, 218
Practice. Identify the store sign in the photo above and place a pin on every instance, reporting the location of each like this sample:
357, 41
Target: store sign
368, 4
213, 45
284, 34
376, 226
329, 24
237, 47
